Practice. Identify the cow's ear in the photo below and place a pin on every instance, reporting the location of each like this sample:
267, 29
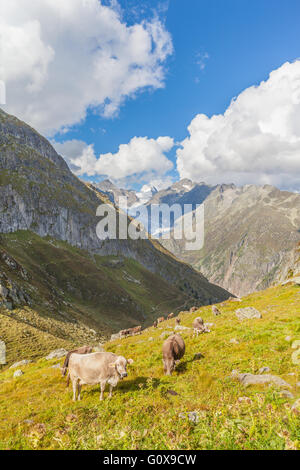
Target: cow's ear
112, 364
130, 361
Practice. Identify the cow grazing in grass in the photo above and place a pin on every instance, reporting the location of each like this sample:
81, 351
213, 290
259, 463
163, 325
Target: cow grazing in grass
215, 310
160, 319
97, 368
130, 331
155, 324
199, 326
173, 349
177, 321
171, 315
193, 309
81, 350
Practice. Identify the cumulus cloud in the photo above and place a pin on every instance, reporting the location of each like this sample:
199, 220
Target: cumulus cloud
61, 57
256, 140
141, 158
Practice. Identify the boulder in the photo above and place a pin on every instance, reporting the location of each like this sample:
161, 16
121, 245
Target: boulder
252, 379
115, 336
2, 353
286, 394
18, 373
56, 354
198, 356
20, 363
180, 327
233, 341
262, 370
247, 313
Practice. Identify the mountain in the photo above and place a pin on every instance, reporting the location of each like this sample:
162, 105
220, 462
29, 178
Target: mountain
250, 235
48, 231
114, 193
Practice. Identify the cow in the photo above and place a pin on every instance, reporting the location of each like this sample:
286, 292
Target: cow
177, 321
215, 310
96, 368
155, 324
81, 350
136, 330
193, 309
199, 326
160, 319
171, 315
124, 333
173, 349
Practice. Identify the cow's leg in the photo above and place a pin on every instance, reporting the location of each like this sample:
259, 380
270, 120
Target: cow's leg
78, 391
102, 387
74, 384
110, 391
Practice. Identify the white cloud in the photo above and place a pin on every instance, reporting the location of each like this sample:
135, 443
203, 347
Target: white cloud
61, 57
256, 140
141, 158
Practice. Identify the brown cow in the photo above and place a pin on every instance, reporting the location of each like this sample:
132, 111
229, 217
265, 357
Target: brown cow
193, 309
215, 310
171, 315
97, 368
160, 319
81, 350
177, 321
136, 330
155, 324
173, 349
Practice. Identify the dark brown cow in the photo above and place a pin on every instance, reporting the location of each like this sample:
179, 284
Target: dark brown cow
155, 324
173, 349
81, 350
177, 321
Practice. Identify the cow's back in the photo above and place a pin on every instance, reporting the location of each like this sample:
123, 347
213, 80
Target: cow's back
91, 368
174, 347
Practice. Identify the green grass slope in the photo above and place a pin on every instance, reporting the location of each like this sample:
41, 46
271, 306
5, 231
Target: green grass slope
37, 411
72, 292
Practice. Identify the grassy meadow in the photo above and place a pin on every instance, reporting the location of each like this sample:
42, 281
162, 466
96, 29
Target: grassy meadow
149, 410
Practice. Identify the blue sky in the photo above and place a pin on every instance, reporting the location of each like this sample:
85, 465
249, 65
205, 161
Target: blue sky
220, 48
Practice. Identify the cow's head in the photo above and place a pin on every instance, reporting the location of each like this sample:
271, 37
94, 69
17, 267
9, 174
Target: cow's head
120, 366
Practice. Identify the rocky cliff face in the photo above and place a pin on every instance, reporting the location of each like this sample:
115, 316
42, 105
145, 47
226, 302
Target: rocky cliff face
250, 235
38, 193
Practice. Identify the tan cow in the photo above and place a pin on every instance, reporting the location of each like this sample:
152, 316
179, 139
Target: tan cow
171, 315
97, 368
215, 310
81, 350
160, 319
199, 326
173, 349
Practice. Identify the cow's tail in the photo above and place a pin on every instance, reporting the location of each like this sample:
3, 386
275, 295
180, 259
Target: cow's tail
66, 363
68, 380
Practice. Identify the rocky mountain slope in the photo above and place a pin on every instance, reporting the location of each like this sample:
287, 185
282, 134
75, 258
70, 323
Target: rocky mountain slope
250, 235
48, 226
114, 193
